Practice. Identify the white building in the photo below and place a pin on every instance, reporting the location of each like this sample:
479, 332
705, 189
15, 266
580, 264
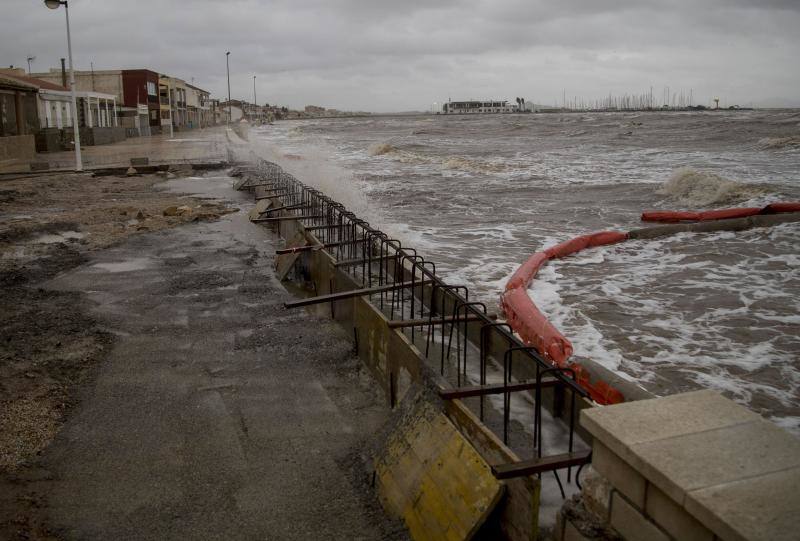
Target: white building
476, 107
54, 103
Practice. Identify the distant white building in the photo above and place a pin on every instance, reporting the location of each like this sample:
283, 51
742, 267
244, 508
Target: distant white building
476, 107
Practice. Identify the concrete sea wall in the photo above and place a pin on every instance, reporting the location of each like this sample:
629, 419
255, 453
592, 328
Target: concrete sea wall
451, 465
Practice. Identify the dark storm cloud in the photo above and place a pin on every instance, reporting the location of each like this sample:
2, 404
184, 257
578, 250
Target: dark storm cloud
390, 55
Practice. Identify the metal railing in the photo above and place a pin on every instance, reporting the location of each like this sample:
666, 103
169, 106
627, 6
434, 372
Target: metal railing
406, 288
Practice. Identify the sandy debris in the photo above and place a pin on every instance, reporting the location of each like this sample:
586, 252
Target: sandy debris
48, 344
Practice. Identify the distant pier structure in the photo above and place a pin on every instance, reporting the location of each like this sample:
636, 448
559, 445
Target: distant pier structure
484, 107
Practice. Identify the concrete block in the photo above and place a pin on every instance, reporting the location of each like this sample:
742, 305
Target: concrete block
571, 533
18, 147
40, 166
622, 425
760, 508
673, 518
429, 475
49, 140
260, 207
265, 190
726, 466
684, 463
285, 262
241, 183
137, 162
632, 524
596, 493
619, 473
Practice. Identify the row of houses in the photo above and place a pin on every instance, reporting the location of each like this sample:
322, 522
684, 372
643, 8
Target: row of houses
111, 105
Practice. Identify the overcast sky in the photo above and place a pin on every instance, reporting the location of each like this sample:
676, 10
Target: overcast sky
393, 55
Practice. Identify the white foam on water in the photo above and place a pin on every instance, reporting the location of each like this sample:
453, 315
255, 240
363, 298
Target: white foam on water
631, 308
677, 313
695, 188
61, 236
779, 143
312, 165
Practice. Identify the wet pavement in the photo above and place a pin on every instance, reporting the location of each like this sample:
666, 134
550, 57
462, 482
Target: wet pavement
191, 146
218, 414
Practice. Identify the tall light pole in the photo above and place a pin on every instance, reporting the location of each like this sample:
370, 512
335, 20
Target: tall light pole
255, 101
55, 4
171, 112
228, 69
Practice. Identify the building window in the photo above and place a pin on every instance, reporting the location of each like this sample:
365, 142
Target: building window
151, 88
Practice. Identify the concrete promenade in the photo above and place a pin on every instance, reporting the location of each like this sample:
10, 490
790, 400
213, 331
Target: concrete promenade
217, 414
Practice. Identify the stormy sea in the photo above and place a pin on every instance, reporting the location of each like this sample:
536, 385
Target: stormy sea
478, 194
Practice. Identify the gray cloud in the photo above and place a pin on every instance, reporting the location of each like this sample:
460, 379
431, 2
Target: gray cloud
386, 55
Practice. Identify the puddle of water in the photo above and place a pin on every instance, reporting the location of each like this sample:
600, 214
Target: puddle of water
53, 238
204, 187
135, 264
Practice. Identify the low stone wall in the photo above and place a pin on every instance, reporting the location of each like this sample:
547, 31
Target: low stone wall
692, 466
107, 136
50, 140
96, 136
18, 147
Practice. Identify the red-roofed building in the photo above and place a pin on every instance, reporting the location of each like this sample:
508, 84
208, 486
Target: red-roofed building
97, 117
18, 122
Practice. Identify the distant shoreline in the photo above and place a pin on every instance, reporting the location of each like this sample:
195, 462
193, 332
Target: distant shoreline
548, 111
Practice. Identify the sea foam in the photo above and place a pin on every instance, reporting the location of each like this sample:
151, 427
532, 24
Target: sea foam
695, 188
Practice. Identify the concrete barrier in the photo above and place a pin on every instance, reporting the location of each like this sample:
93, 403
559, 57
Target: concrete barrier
50, 140
400, 369
18, 147
398, 366
692, 466
432, 477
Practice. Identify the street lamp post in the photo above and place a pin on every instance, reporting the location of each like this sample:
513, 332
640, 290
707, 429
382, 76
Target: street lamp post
228, 70
171, 112
55, 4
255, 100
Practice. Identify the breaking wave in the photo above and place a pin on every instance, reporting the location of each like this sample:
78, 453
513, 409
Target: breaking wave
474, 166
456, 163
776, 143
702, 189
379, 149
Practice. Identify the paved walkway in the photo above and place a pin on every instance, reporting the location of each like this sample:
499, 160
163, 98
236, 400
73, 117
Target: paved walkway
219, 414
206, 145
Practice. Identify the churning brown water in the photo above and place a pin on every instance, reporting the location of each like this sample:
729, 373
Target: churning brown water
478, 194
